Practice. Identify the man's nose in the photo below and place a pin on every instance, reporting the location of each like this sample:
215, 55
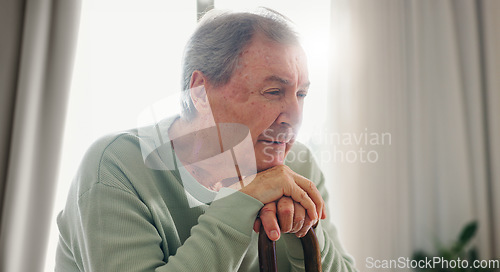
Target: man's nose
291, 112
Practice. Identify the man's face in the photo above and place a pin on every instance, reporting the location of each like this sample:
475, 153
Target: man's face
266, 94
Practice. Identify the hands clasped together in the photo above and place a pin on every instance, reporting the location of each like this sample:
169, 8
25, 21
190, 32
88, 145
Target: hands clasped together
292, 203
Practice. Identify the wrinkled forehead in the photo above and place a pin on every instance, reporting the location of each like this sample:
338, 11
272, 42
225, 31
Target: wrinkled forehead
285, 60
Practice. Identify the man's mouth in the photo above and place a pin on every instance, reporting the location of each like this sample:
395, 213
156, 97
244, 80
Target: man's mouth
273, 142
277, 137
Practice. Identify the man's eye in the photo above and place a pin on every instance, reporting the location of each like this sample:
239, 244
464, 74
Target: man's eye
302, 94
274, 93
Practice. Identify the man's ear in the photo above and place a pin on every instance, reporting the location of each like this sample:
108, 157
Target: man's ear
198, 93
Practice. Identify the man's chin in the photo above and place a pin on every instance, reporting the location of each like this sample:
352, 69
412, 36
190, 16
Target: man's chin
269, 156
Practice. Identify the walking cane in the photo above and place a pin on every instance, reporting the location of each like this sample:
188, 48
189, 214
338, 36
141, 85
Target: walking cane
267, 252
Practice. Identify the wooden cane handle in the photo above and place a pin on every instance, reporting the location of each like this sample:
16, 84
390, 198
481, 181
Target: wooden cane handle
267, 252
310, 245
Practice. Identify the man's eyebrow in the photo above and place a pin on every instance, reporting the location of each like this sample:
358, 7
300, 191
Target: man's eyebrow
283, 81
277, 79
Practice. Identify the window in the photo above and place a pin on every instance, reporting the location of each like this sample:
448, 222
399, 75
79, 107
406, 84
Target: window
128, 57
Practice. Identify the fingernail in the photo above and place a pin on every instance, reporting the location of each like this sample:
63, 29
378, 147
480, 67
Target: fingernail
274, 235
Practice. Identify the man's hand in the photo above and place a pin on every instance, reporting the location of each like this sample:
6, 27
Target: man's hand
291, 216
287, 197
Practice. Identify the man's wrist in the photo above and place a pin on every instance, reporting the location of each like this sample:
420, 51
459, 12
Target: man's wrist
236, 210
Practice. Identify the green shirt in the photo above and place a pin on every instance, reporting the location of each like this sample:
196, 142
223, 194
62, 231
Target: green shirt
123, 215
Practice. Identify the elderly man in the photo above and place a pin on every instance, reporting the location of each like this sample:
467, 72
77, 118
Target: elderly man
192, 201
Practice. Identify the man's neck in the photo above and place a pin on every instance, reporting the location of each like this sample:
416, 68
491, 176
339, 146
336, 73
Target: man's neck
197, 146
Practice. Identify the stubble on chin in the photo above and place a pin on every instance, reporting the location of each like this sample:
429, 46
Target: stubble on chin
268, 157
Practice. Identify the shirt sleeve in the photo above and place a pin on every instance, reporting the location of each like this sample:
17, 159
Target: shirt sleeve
105, 244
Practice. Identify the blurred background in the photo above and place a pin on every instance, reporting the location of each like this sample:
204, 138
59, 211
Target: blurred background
403, 114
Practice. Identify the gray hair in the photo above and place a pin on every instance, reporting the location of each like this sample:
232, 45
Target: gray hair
215, 46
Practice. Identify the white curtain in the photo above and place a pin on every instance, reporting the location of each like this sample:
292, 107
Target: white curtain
427, 73
36, 65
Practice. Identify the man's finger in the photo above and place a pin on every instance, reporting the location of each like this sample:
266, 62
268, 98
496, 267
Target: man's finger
301, 196
310, 188
299, 216
308, 223
269, 221
285, 214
